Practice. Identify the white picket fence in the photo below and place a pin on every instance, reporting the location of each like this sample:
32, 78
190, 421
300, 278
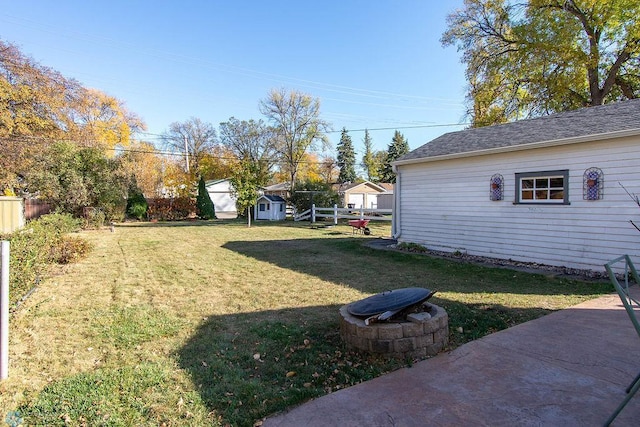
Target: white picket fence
336, 213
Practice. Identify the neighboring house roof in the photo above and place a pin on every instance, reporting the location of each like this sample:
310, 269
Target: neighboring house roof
388, 186
341, 188
591, 123
282, 186
272, 198
216, 181
218, 185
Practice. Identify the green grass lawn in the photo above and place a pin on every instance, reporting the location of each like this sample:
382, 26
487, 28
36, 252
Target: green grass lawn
201, 323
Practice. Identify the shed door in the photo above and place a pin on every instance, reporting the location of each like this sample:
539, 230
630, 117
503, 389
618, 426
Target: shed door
356, 199
263, 211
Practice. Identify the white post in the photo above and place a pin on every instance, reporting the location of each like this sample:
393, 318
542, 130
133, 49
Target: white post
313, 213
361, 213
335, 214
4, 310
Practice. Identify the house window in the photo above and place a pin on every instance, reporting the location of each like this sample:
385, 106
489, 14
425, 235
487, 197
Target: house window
262, 207
281, 207
550, 187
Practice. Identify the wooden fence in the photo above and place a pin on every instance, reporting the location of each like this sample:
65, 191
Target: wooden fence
34, 208
336, 213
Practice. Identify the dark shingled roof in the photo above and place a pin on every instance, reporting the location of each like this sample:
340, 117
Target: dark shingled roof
273, 198
601, 119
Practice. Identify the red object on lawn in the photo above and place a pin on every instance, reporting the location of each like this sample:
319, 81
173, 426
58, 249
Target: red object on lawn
359, 224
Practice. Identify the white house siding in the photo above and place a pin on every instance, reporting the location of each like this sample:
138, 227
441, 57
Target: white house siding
363, 200
445, 205
224, 203
356, 199
372, 201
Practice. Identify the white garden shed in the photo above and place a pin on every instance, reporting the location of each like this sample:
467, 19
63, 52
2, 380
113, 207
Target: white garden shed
547, 190
270, 207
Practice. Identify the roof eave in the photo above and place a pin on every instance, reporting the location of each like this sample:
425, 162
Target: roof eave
522, 147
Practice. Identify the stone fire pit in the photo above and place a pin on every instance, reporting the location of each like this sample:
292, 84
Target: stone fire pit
417, 330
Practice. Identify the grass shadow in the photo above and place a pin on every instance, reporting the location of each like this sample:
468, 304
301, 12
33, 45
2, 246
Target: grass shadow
350, 262
247, 366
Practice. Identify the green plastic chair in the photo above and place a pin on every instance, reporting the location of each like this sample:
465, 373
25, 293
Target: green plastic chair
630, 304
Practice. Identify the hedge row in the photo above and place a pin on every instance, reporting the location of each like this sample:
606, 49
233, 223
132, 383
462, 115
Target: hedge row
41, 243
171, 209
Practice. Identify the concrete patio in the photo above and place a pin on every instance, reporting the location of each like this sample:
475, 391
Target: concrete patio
569, 368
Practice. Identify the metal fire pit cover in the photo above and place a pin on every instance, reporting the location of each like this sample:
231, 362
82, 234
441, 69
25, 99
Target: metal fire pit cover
390, 300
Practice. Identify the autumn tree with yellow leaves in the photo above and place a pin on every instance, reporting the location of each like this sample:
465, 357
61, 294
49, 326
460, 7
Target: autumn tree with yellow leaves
537, 57
41, 107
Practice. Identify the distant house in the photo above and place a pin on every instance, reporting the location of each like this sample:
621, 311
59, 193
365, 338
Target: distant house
385, 200
223, 200
272, 208
546, 190
361, 194
282, 189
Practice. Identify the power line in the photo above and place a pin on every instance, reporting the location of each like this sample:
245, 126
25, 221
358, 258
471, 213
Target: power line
403, 127
363, 129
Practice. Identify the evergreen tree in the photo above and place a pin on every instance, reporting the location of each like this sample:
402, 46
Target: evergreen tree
368, 158
346, 158
398, 148
204, 203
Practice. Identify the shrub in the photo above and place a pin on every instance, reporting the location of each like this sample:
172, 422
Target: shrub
323, 195
114, 211
136, 204
412, 247
69, 249
62, 222
171, 209
41, 243
94, 218
137, 210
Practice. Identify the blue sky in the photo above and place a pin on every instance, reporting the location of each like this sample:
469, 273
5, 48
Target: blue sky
373, 64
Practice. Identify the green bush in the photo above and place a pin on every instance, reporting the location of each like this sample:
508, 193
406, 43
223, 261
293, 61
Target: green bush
136, 204
137, 210
62, 222
41, 243
114, 211
323, 195
94, 218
